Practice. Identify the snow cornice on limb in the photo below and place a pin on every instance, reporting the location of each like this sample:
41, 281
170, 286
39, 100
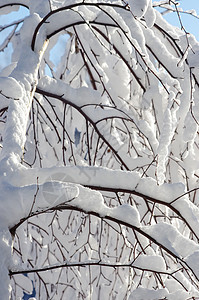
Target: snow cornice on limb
48, 30
110, 142
118, 181
125, 215
70, 7
25, 74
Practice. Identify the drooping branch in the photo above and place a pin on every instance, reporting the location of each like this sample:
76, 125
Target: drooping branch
103, 179
14, 3
121, 220
93, 122
69, 7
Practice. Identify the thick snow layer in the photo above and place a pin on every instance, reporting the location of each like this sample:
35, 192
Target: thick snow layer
165, 192
149, 294
189, 211
190, 129
139, 7
156, 130
193, 58
164, 143
41, 8
126, 211
102, 177
25, 73
151, 262
90, 201
49, 194
163, 55
10, 88
5, 261
150, 15
115, 180
193, 261
5, 72
80, 97
172, 239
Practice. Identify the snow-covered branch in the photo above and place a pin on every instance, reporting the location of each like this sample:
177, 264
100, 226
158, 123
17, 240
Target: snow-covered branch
99, 152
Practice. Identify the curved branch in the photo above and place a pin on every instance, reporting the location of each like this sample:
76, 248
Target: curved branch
118, 221
14, 4
88, 263
68, 8
49, 94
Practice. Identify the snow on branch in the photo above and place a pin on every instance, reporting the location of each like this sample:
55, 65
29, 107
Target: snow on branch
99, 165
10, 5
10, 88
85, 200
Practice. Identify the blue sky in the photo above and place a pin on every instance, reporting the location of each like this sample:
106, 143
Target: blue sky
190, 23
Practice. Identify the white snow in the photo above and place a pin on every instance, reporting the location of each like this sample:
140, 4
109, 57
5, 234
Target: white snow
190, 129
139, 7
126, 212
148, 294
147, 73
193, 261
10, 88
41, 8
151, 262
193, 58
104, 177
172, 239
50, 194
5, 261
5, 72
150, 15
